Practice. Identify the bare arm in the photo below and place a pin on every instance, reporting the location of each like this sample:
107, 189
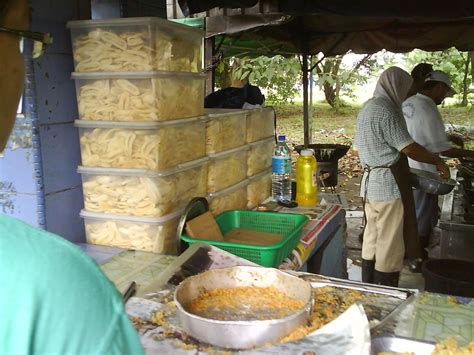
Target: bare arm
458, 153
417, 152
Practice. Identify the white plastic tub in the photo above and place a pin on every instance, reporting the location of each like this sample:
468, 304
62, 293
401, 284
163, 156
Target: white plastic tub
260, 156
227, 168
153, 146
139, 96
231, 198
259, 188
135, 44
142, 193
260, 123
226, 129
138, 233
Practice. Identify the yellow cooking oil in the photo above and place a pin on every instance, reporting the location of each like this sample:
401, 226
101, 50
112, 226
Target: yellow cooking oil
306, 179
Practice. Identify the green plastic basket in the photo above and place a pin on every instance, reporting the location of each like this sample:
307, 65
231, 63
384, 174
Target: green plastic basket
286, 224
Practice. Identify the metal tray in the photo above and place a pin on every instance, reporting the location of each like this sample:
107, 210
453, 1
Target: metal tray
400, 345
381, 303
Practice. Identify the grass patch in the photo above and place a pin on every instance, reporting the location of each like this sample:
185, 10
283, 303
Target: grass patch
343, 121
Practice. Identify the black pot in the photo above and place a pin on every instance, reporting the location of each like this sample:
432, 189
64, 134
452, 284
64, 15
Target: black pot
467, 162
325, 152
450, 277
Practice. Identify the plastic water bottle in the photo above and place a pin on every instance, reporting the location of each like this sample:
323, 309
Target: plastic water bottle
306, 182
281, 171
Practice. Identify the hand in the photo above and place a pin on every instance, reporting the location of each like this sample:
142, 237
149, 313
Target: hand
456, 140
443, 169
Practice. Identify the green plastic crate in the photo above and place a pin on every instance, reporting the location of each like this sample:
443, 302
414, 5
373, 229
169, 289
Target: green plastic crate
286, 224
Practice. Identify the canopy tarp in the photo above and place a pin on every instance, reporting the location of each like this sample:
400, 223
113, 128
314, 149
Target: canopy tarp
334, 34
337, 26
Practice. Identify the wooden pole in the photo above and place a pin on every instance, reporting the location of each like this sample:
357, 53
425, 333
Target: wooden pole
208, 55
311, 87
307, 129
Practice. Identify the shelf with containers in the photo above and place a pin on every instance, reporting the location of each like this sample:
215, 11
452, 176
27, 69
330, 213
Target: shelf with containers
135, 44
227, 168
138, 233
260, 123
139, 96
226, 129
230, 198
143, 193
260, 156
153, 146
259, 188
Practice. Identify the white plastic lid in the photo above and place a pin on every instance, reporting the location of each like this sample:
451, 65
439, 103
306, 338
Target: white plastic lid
261, 175
307, 153
135, 125
262, 141
142, 172
133, 219
216, 113
225, 153
229, 189
135, 21
136, 75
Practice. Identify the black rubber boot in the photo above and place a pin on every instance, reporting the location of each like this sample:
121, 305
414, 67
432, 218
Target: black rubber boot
368, 271
386, 278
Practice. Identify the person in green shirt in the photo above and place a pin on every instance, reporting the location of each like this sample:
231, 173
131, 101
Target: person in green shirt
54, 299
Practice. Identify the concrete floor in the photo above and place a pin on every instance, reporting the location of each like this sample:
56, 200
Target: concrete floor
354, 250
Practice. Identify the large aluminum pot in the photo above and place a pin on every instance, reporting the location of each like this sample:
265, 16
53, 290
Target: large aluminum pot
241, 334
430, 182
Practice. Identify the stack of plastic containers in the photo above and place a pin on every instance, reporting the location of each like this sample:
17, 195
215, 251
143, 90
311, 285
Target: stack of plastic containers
227, 150
142, 130
261, 140
239, 144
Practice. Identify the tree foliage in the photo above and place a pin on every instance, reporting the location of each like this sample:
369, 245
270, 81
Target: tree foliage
278, 75
336, 76
453, 62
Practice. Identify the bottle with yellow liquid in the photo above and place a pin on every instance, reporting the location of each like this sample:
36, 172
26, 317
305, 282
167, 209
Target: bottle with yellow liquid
306, 179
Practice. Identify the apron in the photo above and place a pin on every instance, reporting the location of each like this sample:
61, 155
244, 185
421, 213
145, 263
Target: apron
401, 172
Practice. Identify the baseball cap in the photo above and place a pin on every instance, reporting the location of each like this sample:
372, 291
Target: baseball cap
438, 75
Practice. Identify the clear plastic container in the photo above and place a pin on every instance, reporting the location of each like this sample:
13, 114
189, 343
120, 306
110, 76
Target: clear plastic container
142, 193
260, 123
138, 233
135, 44
140, 96
259, 188
232, 198
153, 146
260, 156
227, 168
226, 129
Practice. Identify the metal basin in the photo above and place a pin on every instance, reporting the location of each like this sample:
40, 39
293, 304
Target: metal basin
238, 334
431, 183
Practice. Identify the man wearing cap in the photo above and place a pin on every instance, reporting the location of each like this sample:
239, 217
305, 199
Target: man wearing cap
426, 127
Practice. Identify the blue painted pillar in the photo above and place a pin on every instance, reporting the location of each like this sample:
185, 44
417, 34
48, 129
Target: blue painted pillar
38, 179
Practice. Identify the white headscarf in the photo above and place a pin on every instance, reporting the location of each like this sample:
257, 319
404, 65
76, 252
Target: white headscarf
394, 84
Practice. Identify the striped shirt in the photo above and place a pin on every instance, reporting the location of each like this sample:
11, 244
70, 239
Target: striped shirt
381, 134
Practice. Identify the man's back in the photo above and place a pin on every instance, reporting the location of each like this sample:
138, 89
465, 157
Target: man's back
55, 299
426, 127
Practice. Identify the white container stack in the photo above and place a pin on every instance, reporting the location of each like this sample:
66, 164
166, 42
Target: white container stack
143, 137
239, 144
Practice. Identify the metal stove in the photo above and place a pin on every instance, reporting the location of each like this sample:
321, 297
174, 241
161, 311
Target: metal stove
457, 221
